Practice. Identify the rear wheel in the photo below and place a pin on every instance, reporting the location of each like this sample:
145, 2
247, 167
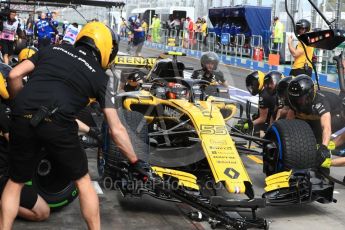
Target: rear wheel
293, 147
56, 190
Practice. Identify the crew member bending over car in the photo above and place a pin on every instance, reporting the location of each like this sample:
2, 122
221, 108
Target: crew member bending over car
321, 109
83, 128
265, 86
271, 81
209, 62
43, 115
339, 140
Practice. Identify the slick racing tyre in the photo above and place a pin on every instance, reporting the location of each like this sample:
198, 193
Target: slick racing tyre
51, 186
137, 129
294, 147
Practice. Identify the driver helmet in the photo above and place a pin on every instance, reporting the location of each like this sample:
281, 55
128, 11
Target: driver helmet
209, 57
26, 53
255, 82
176, 91
303, 24
101, 39
271, 80
301, 93
134, 78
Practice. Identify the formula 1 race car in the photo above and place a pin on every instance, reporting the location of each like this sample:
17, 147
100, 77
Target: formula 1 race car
182, 131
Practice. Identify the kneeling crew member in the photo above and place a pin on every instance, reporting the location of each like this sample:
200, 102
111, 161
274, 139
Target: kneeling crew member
32, 206
44, 116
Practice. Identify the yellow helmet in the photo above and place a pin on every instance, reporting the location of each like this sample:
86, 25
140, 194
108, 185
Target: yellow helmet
26, 53
255, 82
101, 39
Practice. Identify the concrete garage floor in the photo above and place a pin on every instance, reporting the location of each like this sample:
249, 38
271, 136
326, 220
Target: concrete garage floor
149, 213
118, 212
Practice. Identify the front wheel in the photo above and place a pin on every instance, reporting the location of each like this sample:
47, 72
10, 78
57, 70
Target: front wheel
112, 156
293, 147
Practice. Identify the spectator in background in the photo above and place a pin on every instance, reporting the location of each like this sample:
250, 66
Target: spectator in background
144, 26
182, 22
168, 25
54, 20
123, 28
156, 26
190, 29
9, 29
30, 25
204, 30
71, 34
44, 31
138, 36
197, 29
277, 35
175, 24
181, 27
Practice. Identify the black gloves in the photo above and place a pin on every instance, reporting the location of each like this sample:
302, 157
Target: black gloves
96, 134
324, 155
142, 167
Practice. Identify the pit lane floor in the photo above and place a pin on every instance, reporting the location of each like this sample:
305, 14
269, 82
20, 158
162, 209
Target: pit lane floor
149, 213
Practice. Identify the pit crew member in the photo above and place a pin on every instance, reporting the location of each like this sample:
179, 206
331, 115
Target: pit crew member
321, 109
63, 79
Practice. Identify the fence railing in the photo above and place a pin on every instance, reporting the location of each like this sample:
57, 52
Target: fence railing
229, 45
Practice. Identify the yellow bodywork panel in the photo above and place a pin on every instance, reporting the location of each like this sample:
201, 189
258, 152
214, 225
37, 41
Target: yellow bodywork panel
3, 90
176, 53
218, 146
184, 179
277, 181
134, 61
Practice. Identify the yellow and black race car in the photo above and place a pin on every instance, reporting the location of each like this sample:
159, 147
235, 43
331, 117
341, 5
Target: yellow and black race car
182, 130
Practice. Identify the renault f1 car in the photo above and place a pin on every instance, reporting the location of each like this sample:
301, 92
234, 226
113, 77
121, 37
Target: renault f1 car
182, 131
